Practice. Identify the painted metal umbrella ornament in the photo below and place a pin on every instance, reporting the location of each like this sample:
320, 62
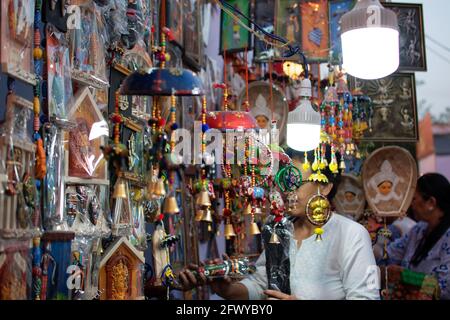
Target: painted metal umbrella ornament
162, 82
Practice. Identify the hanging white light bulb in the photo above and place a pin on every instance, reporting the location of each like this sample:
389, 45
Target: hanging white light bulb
370, 40
303, 125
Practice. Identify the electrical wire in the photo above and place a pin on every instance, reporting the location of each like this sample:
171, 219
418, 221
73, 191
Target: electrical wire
440, 44
444, 58
292, 49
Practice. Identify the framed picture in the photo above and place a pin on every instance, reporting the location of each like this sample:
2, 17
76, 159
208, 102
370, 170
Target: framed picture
265, 17
412, 38
395, 107
314, 30
262, 106
18, 117
17, 23
287, 22
85, 157
336, 9
193, 42
233, 36
175, 20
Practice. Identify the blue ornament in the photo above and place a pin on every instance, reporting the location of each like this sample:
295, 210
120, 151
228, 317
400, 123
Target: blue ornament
174, 126
258, 192
205, 127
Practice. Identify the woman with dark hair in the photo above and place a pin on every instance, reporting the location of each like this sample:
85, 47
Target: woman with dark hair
341, 266
426, 248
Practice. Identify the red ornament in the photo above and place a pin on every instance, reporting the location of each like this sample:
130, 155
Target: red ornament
224, 120
116, 118
161, 122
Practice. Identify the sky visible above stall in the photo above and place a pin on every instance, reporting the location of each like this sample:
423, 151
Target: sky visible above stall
433, 86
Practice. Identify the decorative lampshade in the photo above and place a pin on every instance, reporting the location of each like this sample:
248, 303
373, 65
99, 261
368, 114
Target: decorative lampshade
230, 120
162, 82
303, 126
370, 40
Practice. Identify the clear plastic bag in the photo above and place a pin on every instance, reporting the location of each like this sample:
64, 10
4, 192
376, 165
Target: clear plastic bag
277, 254
87, 49
60, 93
53, 193
138, 233
17, 23
15, 270
116, 20
85, 208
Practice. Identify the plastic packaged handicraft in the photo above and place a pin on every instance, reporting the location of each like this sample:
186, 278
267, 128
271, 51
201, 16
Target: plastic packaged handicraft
277, 235
17, 19
60, 94
87, 54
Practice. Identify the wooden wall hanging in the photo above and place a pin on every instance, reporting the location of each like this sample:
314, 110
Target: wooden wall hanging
120, 272
389, 179
85, 163
350, 199
17, 19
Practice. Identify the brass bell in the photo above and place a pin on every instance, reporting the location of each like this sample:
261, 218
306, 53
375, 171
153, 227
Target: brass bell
120, 190
254, 229
248, 209
171, 205
229, 230
159, 189
203, 199
199, 215
207, 216
274, 238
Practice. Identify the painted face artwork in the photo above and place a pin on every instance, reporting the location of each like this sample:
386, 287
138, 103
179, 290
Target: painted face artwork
385, 187
349, 196
262, 121
384, 183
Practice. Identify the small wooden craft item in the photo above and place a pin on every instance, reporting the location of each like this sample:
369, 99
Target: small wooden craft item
120, 272
350, 199
389, 179
17, 19
85, 158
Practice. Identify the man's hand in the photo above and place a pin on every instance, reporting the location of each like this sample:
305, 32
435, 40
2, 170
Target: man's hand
277, 295
189, 280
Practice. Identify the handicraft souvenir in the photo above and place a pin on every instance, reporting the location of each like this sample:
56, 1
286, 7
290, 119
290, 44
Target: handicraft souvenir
233, 36
192, 37
336, 9
389, 177
59, 81
18, 201
349, 199
85, 157
17, 19
15, 270
121, 269
287, 22
394, 107
314, 29
412, 36
87, 54
267, 104
264, 17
